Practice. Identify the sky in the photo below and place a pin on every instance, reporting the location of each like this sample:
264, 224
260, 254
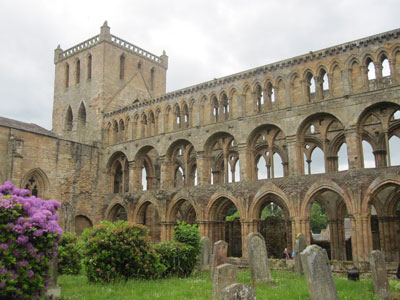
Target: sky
203, 39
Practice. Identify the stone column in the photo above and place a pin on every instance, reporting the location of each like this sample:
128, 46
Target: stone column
354, 148
203, 168
346, 81
246, 163
295, 163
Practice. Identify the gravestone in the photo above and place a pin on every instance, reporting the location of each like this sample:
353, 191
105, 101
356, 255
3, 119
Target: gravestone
219, 255
205, 254
238, 291
317, 270
53, 288
299, 246
379, 275
224, 276
258, 259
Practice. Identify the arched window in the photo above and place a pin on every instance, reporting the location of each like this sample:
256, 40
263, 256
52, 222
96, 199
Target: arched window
122, 67
385, 67
343, 162
89, 66
139, 65
311, 87
259, 98
215, 106
370, 69
369, 158
118, 178
225, 105
77, 71
144, 179
152, 71
68, 119
81, 116
270, 92
66, 75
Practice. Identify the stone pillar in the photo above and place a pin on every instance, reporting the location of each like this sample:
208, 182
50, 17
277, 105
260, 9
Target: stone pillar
203, 168
354, 148
379, 275
346, 81
53, 290
295, 164
318, 273
246, 163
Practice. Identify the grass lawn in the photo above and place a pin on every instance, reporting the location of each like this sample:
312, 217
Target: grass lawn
199, 286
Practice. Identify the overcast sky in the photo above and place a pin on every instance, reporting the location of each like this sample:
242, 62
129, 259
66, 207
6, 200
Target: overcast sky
203, 39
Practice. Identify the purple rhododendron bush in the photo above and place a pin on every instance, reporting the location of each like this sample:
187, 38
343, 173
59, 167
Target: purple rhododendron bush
29, 233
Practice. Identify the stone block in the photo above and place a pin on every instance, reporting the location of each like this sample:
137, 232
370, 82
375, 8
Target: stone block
205, 254
258, 259
224, 276
379, 275
219, 255
318, 273
299, 246
238, 292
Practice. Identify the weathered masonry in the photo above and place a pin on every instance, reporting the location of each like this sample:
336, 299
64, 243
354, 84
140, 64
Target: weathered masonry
324, 126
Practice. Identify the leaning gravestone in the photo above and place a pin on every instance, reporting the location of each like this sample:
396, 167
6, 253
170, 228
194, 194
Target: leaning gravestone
205, 254
318, 273
238, 291
224, 276
299, 246
219, 255
379, 275
258, 259
53, 290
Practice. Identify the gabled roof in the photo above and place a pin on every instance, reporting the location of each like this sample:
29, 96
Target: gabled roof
5, 122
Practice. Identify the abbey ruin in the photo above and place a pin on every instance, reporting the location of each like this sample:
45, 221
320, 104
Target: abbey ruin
123, 148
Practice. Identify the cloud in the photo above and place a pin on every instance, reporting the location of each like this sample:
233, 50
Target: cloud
204, 39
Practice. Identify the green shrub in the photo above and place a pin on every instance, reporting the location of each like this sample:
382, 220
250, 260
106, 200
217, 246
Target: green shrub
178, 258
188, 234
69, 255
120, 250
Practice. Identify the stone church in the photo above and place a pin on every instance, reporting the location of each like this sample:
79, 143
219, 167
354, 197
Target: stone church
320, 127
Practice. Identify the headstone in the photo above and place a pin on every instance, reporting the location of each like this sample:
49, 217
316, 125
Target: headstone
224, 276
53, 289
379, 275
318, 273
219, 255
238, 292
258, 259
205, 255
299, 245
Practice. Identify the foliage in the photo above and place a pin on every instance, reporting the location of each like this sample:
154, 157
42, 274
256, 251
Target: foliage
120, 250
271, 209
188, 234
29, 233
318, 220
178, 258
69, 255
232, 214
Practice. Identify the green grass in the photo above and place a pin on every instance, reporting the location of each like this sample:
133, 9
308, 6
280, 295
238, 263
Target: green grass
199, 286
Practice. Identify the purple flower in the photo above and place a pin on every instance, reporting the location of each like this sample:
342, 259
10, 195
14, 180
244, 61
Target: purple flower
22, 239
3, 271
3, 247
30, 274
38, 232
2, 284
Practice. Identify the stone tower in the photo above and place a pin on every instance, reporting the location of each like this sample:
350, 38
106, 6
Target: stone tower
103, 73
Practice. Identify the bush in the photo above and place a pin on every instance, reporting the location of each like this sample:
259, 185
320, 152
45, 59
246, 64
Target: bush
178, 258
120, 250
188, 234
28, 242
69, 255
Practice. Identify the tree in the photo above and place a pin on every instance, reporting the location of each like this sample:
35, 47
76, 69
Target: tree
319, 219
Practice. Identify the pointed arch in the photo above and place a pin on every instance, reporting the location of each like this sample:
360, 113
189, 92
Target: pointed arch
37, 182
82, 115
69, 119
